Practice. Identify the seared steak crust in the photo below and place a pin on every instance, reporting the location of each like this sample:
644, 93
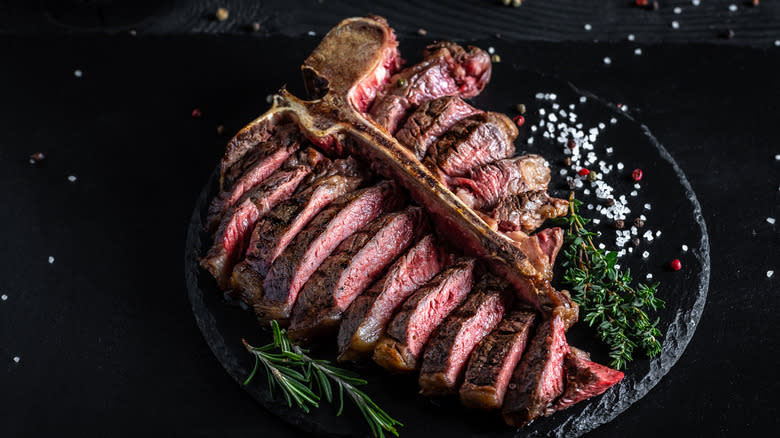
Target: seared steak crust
486, 185
527, 211
432, 119
584, 379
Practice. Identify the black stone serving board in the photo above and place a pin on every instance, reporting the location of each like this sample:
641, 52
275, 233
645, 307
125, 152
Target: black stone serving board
675, 211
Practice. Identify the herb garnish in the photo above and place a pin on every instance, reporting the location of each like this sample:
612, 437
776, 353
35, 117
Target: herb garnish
290, 369
605, 294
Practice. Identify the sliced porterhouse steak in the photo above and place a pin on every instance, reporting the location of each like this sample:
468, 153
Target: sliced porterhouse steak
233, 233
453, 341
432, 119
366, 318
401, 346
266, 158
494, 359
321, 236
350, 269
527, 211
584, 379
274, 232
446, 70
476, 140
486, 185
539, 378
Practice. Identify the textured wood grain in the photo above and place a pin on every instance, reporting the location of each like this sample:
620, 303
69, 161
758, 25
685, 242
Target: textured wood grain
550, 20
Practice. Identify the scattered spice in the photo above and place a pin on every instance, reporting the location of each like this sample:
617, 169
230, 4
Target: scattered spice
620, 224
641, 3
254, 27
520, 108
571, 144
584, 171
132, 32
639, 223
635, 241
196, 113
519, 120
637, 174
572, 185
422, 32
754, 3
729, 34
656, 6
567, 161
593, 176
610, 202
37, 157
495, 58
222, 14
402, 83
220, 129
676, 265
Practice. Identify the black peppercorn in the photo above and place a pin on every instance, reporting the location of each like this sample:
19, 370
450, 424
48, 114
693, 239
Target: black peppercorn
572, 184
635, 241
639, 223
610, 202
567, 161
619, 224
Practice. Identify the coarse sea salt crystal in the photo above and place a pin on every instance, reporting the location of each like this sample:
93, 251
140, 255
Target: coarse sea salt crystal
658, 233
4, 297
777, 157
72, 178
637, 186
696, 2
590, 206
771, 220
631, 37
643, 217
491, 50
630, 250
634, 193
732, 8
51, 260
649, 276
645, 255
769, 274
595, 221
530, 140
586, 191
552, 117
17, 359
637, 51
677, 10
542, 111
675, 25
311, 33
540, 96
583, 99
648, 235
613, 120
563, 172
588, 27
555, 106
77, 73
607, 60
620, 166
572, 106
685, 248
601, 246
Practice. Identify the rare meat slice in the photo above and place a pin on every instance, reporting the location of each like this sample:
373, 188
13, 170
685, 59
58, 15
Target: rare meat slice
432, 119
451, 344
527, 211
542, 248
476, 140
486, 185
401, 346
274, 232
261, 163
584, 379
366, 318
447, 69
494, 359
539, 378
354, 265
233, 233
293, 267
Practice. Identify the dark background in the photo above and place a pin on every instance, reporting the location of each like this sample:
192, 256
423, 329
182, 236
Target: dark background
107, 343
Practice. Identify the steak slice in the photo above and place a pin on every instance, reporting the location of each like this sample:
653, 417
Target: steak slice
400, 347
527, 211
350, 269
453, 341
366, 318
432, 119
447, 69
476, 140
486, 185
584, 379
539, 378
274, 232
542, 248
233, 233
290, 271
494, 359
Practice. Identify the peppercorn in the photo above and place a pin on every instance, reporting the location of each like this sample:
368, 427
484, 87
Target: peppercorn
641, 3
571, 144
255, 26
132, 32
37, 157
519, 120
517, 3
619, 224
639, 223
520, 108
675, 264
567, 161
635, 241
754, 3
637, 174
572, 184
610, 202
402, 83
422, 32
593, 176
584, 172
656, 6
220, 129
222, 14
196, 113
495, 58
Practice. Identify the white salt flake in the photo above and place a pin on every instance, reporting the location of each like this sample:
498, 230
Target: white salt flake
733, 8
72, 178
607, 60
595, 221
777, 157
539, 96
534, 128
696, 2
637, 186
631, 37
17, 359
609, 150
4, 297
77, 73
613, 120
645, 255
620, 166
771, 220
677, 10
643, 217
311, 33
634, 193
637, 51
675, 25
588, 27
777, 43
601, 246
530, 140
769, 274
51, 260
586, 191
491, 50
584, 99
572, 106
658, 233
590, 206
685, 248
649, 276
648, 207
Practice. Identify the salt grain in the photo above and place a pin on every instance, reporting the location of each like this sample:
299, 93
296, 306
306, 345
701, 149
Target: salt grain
685, 248
637, 51
17, 359
590, 206
530, 140
595, 221
620, 166
769, 274
631, 37
648, 207
777, 157
771, 220
677, 10
72, 178
634, 193
613, 120
311, 33
51, 260
658, 234
77, 73
733, 7
584, 99
609, 150
649, 276
645, 255
607, 60
586, 191
491, 50
601, 246
588, 27
696, 2
777, 43
4, 297
637, 186
675, 25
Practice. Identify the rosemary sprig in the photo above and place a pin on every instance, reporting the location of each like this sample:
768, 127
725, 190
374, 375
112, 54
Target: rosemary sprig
606, 296
289, 368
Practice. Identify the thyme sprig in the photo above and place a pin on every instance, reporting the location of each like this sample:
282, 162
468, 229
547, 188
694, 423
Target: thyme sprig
305, 381
605, 295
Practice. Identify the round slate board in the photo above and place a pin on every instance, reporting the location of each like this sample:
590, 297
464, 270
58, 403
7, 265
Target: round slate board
674, 210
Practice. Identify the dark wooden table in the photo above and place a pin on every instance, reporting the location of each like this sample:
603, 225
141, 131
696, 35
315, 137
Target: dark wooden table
106, 341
